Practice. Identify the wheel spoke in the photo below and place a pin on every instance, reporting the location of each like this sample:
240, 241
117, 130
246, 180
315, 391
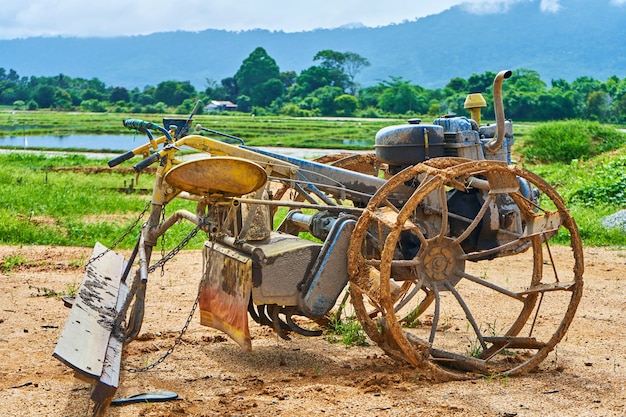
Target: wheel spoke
477, 219
555, 286
444, 213
416, 230
493, 286
468, 315
433, 330
395, 262
511, 248
407, 298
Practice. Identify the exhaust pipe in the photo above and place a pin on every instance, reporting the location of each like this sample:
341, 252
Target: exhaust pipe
496, 143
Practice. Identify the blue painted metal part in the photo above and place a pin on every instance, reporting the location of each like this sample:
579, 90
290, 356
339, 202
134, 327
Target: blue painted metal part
329, 275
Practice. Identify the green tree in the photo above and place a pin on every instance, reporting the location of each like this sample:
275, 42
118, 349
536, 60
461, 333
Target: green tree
310, 80
8, 95
165, 92
480, 83
334, 63
91, 94
457, 85
526, 80
346, 105
326, 99
368, 97
244, 104
257, 69
229, 85
44, 96
344, 67
13, 75
555, 104
401, 97
264, 94
119, 94
520, 105
599, 106
586, 85
288, 78
619, 106
93, 105
63, 100
186, 107
173, 93
352, 66
184, 92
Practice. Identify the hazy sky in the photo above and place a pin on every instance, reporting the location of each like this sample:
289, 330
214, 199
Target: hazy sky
26, 18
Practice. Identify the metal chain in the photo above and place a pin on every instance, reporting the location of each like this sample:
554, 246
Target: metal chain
119, 239
178, 341
179, 338
161, 262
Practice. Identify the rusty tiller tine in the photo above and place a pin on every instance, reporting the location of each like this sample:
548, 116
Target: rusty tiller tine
263, 319
297, 329
277, 323
253, 313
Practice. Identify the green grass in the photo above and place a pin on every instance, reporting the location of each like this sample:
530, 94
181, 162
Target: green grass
592, 189
47, 206
12, 261
568, 140
43, 204
70, 289
349, 331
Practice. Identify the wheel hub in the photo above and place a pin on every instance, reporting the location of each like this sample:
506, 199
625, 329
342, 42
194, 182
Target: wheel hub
442, 262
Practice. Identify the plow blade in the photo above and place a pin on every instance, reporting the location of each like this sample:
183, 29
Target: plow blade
88, 343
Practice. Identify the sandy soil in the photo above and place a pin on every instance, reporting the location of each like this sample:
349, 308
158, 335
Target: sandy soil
584, 376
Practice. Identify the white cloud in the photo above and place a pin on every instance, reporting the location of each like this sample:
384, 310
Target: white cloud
618, 2
488, 6
550, 6
503, 6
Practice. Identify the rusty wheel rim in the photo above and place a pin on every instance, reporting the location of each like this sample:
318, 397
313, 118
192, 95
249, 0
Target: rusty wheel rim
520, 334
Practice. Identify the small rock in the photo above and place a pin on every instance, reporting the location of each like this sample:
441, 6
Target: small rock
615, 220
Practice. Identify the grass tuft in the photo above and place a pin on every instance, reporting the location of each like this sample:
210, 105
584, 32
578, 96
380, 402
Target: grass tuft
350, 331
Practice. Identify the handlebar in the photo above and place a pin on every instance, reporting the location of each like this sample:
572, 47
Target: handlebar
147, 162
144, 126
140, 125
119, 159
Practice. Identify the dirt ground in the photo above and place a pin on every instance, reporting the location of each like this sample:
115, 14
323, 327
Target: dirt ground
584, 376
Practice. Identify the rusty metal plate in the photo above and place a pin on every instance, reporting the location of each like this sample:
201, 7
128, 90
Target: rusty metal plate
225, 292
219, 174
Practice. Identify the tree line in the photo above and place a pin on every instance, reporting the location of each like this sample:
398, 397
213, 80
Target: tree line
327, 88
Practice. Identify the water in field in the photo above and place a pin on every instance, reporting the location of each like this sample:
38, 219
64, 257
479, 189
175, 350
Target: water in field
122, 143
86, 142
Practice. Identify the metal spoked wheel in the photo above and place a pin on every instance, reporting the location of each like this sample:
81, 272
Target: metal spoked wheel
478, 271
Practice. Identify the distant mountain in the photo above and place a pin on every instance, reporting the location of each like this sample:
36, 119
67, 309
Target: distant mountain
584, 38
